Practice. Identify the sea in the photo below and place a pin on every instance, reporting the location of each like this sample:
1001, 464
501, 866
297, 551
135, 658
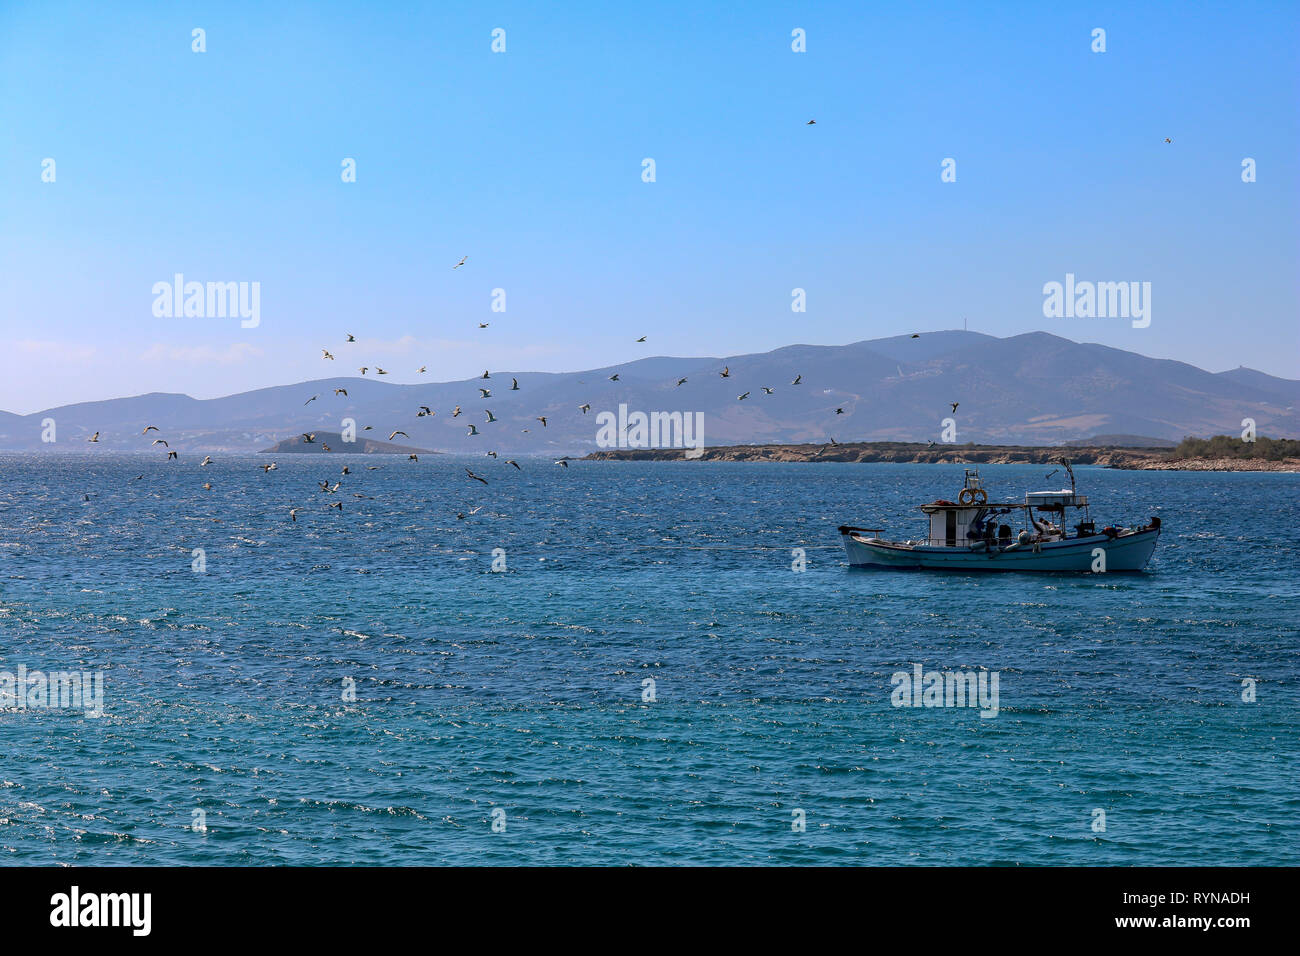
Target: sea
629, 663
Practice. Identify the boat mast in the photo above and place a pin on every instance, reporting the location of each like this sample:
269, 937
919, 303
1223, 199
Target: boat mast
1087, 512
1069, 471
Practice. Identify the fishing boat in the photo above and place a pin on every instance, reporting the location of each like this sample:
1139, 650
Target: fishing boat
974, 534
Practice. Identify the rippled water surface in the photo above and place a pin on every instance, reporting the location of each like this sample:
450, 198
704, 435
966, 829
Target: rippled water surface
521, 690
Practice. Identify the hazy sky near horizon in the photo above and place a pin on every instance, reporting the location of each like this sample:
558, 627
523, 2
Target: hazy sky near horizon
226, 166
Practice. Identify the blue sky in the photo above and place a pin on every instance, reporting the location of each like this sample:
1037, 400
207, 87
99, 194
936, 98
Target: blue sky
225, 166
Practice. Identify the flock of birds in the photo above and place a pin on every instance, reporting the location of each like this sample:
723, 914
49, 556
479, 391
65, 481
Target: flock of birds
472, 429
424, 411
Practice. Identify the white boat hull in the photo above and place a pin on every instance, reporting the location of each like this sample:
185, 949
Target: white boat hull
1126, 552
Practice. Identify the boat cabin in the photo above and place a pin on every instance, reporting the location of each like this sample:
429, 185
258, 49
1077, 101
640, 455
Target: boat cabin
973, 518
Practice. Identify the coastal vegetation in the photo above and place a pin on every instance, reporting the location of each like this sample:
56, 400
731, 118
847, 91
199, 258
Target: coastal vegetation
1230, 446
1220, 453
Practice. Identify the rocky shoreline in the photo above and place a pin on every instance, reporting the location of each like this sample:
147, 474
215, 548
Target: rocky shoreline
1137, 459
1291, 465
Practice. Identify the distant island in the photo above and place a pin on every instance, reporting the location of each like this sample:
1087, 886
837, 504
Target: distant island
332, 442
1030, 390
1221, 453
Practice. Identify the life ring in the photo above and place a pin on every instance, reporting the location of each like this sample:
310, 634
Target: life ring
973, 496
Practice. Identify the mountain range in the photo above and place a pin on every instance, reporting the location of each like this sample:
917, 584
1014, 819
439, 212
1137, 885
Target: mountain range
1034, 388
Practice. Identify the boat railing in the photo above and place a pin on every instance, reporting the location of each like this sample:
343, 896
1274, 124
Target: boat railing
991, 542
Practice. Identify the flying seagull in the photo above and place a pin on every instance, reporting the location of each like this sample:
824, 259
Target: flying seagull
490, 417
954, 405
810, 123
641, 339
207, 460
839, 411
542, 419
483, 325
614, 377
341, 391
293, 514
586, 407
312, 399
473, 430
461, 263
726, 372
156, 441
351, 337
476, 477
514, 385
766, 390
422, 369
325, 354
363, 369
511, 461
379, 371
424, 412
171, 455
485, 374
680, 383
741, 398
269, 468
309, 438
396, 433
148, 429
95, 437
562, 463
485, 393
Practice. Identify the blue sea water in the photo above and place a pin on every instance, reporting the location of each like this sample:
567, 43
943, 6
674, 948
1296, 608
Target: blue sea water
520, 691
